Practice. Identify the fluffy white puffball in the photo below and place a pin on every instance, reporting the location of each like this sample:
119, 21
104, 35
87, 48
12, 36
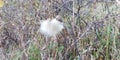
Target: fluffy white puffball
51, 27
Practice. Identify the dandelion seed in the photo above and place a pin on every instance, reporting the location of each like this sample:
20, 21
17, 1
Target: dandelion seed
51, 27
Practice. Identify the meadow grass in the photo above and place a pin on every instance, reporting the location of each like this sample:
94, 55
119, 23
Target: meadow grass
92, 30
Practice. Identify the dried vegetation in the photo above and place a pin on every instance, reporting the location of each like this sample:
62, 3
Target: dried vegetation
92, 30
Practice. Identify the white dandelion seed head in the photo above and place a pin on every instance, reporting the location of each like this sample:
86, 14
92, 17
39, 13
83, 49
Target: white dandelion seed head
51, 27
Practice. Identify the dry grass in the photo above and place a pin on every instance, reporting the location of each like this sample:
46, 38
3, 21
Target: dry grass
92, 30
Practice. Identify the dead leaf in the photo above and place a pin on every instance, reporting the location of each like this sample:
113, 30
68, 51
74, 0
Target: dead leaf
1, 3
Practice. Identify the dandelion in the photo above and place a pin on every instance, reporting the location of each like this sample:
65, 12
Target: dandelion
51, 27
